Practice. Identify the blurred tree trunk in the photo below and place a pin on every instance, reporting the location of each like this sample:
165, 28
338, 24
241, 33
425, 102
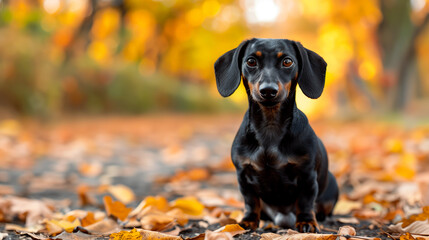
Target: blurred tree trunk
397, 36
82, 32
409, 63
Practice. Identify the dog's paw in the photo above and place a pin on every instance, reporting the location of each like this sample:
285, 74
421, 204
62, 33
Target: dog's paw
252, 225
310, 226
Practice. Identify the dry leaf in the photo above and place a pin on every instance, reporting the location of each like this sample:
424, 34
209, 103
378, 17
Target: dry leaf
346, 231
406, 236
151, 235
349, 220
116, 208
156, 222
17, 228
89, 219
269, 236
74, 236
122, 193
209, 235
233, 229
65, 225
344, 206
103, 227
126, 235
3, 235
189, 205
28, 210
416, 227
159, 203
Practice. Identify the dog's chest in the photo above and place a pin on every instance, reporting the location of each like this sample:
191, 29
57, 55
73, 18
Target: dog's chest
271, 174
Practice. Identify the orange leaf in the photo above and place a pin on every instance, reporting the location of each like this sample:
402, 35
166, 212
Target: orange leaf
116, 208
89, 219
233, 229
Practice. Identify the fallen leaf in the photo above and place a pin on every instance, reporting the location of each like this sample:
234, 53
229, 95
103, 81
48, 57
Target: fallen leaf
344, 206
3, 235
116, 208
189, 205
28, 210
416, 227
17, 228
126, 235
89, 219
74, 236
406, 236
349, 220
269, 236
103, 227
346, 231
156, 222
233, 229
90, 169
83, 194
159, 203
209, 235
151, 235
122, 193
66, 225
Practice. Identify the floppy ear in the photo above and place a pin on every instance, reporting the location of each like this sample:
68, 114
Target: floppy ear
311, 73
228, 70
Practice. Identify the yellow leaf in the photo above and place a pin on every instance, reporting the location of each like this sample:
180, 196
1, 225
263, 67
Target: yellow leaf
66, 225
116, 208
189, 205
122, 193
394, 145
406, 236
126, 235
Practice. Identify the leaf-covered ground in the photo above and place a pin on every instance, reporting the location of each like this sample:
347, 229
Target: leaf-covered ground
170, 176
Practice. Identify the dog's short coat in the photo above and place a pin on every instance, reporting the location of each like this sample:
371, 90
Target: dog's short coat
282, 166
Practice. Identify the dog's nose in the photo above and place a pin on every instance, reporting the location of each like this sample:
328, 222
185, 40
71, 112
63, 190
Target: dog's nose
268, 90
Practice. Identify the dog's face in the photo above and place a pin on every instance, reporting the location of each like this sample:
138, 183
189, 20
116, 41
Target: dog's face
271, 68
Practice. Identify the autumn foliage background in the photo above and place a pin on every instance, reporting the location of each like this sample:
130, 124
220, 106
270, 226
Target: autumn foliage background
125, 56
117, 98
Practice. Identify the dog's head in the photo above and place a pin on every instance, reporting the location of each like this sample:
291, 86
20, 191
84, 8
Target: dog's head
271, 68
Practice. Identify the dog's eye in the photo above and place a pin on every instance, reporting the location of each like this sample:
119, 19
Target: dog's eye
287, 62
251, 62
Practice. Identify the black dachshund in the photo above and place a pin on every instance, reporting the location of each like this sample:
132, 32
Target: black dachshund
282, 166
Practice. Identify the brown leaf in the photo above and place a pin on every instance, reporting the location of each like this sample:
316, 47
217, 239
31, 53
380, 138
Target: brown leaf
28, 210
151, 235
103, 227
74, 236
209, 235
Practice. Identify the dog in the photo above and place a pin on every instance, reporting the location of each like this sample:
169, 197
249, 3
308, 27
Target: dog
281, 165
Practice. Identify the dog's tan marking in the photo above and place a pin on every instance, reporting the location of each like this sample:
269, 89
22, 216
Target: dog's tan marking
279, 54
258, 53
287, 86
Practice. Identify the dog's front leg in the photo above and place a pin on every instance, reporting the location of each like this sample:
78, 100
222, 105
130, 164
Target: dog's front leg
306, 218
252, 204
